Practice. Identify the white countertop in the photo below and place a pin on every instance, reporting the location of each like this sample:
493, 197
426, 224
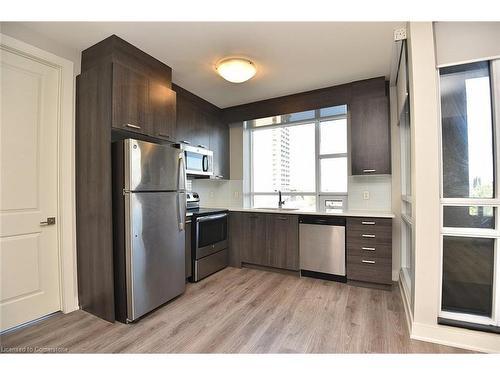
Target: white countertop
349, 213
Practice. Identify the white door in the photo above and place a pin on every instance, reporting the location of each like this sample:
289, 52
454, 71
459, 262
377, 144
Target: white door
29, 253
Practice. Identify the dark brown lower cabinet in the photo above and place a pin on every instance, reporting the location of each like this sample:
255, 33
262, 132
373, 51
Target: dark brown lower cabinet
369, 250
235, 238
253, 239
283, 241
264, 239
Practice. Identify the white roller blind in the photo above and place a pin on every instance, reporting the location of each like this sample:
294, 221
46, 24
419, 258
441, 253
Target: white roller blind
460, 42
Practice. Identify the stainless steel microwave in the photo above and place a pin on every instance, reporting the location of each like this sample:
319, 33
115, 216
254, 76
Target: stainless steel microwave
199, 160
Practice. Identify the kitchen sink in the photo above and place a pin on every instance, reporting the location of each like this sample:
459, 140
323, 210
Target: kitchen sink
277, 209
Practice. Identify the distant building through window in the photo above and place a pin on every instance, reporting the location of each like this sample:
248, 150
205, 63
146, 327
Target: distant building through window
303, 155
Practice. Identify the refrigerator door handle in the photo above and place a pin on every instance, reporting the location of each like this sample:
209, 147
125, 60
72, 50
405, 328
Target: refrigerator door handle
181, 187
181, 214
181, 177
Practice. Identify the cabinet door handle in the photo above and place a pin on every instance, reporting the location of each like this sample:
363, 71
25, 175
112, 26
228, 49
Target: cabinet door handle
368, 261
282, 218
164, 135
368, 248
132, 126
368, 235
219, 176
202, 146
369, 170
368, 223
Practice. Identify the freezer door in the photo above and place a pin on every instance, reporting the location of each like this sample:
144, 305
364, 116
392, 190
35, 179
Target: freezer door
153, 167
155, 255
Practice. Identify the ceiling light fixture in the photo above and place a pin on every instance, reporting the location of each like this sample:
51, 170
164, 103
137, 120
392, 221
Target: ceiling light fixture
236, 70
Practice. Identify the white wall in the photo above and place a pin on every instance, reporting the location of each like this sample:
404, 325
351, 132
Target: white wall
219, 193
425, 173
425, 119
379, 191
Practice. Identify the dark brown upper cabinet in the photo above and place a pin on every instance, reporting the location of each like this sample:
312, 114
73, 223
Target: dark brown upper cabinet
130, 100
163, 109
201, 124
219, 144
370, 135
142, 104
192, 125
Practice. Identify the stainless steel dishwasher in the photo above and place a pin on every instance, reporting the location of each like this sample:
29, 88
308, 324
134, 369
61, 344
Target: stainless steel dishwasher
322, 247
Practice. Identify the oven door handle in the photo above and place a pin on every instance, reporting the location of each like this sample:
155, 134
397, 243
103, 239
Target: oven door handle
210, 217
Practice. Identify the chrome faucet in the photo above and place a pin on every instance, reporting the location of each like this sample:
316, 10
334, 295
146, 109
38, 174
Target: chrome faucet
280, 202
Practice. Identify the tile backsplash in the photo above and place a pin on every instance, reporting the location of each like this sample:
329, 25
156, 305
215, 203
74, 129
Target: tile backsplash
365, 193
219, 193
369, 193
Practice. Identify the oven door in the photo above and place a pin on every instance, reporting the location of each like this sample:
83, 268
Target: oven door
211, 234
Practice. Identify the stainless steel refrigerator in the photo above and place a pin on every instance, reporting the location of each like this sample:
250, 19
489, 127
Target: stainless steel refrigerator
149, 210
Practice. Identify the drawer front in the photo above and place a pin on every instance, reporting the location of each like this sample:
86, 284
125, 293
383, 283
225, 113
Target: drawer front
369, 223
368, 237
362, 249
369, 269
210, 264
369, 232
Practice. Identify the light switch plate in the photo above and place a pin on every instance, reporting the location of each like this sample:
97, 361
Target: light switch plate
366, 195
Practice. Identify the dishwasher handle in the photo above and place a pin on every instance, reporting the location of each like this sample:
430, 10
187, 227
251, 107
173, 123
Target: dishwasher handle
322, 220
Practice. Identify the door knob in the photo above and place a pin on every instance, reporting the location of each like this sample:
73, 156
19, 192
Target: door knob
49, 221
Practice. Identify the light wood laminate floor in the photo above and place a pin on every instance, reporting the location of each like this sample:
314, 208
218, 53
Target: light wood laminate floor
243, 311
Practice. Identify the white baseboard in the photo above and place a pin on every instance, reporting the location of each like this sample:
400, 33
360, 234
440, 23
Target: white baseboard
395, 275
406, 303
456, 337
70, 309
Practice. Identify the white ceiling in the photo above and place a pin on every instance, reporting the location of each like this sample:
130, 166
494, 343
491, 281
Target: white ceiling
290, 56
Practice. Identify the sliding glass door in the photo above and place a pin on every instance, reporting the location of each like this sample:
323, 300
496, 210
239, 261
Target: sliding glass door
470, 194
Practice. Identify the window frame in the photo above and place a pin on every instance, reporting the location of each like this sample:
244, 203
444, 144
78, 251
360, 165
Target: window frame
407, 263
494, 71
317, 193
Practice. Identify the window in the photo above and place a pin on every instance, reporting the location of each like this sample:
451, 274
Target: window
304, 155
469, 195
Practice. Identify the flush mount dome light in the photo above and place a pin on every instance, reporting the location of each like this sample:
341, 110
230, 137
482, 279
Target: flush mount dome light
236, 70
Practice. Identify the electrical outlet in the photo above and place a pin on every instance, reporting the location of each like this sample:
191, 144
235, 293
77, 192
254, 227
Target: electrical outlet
366, 195
236, 194
399, 34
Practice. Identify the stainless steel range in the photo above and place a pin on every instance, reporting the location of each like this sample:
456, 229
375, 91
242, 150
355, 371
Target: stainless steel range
209, 238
